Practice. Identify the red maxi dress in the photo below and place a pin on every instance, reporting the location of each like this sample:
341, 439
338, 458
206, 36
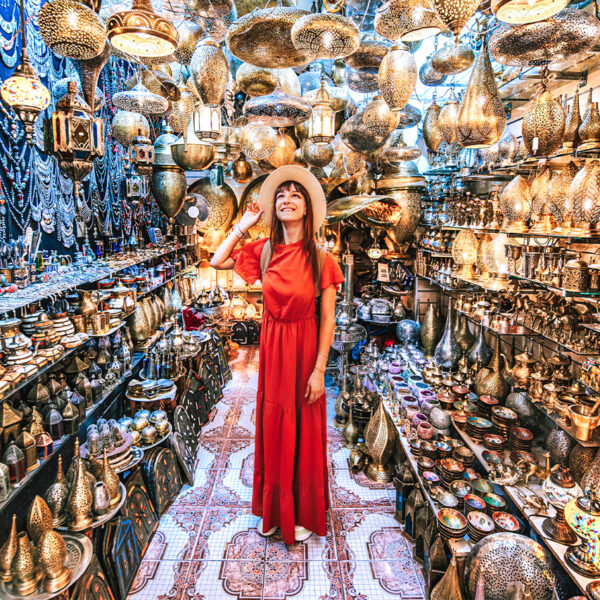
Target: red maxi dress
290, 484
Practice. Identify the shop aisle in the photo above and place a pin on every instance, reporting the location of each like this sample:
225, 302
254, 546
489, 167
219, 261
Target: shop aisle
207, 546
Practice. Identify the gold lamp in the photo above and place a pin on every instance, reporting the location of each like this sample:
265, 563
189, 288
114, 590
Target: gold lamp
543, 126
448, 119
142, 32
321, 123
23, 91
584, 196
483, 274
515, 203
407, 20
397, 76
496, 262
378, 118
559, 201
464, 254
258, 141
455, 13
520, 12
207, 122
432, 134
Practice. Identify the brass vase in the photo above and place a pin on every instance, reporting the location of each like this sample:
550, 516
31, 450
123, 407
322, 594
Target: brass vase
431, 329
490, 381
464, 336
26, 575
169, 188
8, 551
351, 431
138, 324
572, 123
432, 133
79, 504
112, 482
448, 352
479, 352
52, 552
543, 126
481, 119
380, 436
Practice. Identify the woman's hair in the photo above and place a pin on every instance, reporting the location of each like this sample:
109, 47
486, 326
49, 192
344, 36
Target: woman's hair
308, 244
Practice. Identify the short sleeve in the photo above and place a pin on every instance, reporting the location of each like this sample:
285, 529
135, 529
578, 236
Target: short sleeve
331, 274
247, 261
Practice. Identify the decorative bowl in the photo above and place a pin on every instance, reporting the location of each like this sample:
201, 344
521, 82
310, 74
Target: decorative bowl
460, 488
451, 522
481, 522
430, 477
470, 474
473, 502
424, 463
446, 499
521, 433
492, 457
519, 455
483, 486
506, 522
494, 502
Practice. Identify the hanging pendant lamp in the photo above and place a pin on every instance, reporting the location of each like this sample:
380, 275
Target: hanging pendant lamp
258, 141
210, 70
140, 100
140, 31
520, 12
481, 119
432, 134
378, 118
321, 124
24, 91
539, 191
448, 119
455, 13
451, 59
325, 36
397, 76
429, 76
543, 126
190, 33
407, 20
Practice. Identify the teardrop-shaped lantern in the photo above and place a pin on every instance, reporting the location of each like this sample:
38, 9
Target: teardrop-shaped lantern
448, 119
451, 59
482, 119
210, 71
589, 130
317, 155
378, 118
543, 126
190, 33
584, 196
431, 131
572, 123
182, 112
169, 188
539, 191
508, 147
559, 199
455, 13
515, 204
241, 170
397, 76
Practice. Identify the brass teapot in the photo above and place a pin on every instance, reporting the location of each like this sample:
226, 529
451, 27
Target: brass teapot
87, 305
522, 370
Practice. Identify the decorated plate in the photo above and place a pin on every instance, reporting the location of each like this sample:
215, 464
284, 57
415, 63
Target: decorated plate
468, 406
474, 502
494, 500
425, 463
479, 423
506, 521
521, 434
452, 519
481, 521
483, 486
494, 439
492, 457
489, 400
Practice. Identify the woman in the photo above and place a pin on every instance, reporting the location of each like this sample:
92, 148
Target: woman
290, 488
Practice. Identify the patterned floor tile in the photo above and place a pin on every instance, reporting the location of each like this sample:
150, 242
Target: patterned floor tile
381, 580
236, 454
196, 497
233, 487
176, 536
159, 580
243, 421
229, 579
209, 453
303, 580
349, 490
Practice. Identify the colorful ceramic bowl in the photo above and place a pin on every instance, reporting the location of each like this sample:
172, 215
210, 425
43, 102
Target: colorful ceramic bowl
493, 440
473, 502
504, 413
424, 463
460, 488
521, 433
446, 499
430, 477
481, 522
519, 455
479, 423
452, 522
470, 474
492, 457
452, 466
483, 486
506, 522
494, 502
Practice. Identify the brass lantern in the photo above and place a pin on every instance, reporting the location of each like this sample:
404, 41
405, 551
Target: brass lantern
432, 133
520, 12
481, 119
209, 71
559, 201
321, 124
407, 20
572, 123
141, 154
74, 136
584, 196
207, 122
455, 13
397, 76
496, 262
464, 253
543, 126
378, 118
515, 203
448, 118
23, 91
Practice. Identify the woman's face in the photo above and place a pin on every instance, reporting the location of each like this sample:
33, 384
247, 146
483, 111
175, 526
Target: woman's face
290, 205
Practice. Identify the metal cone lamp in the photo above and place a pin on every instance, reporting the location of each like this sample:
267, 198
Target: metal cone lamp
24, 92
321, 124
455, 13
407, 20
481, 119
142, 32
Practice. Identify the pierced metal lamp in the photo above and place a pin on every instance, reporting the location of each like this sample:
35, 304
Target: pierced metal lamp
464, 254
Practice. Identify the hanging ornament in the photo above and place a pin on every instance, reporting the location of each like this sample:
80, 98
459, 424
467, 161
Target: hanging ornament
481, 120
432, 134
451, 59
378, 118
543, 126
258, 141
448, 119
210, 71
142, 32
429, 76
321, 124
126, 125
455, 13
241, 170
325, 36
71, 29
407, 20
277, 109
397, 76
140, 100
283, 153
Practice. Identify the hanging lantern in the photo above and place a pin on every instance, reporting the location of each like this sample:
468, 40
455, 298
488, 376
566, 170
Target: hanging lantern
407, 20
277, 109
464, 253
210, 71
126, 125
378, 118
317, 155
258, 141
508, 147
584, 196
448, 119
398, 151
162, 147
256, 81
572, 123
189, 33
397, 76
231, 136
338, 97
520, 12
74, 136
515, 204
182, 112
140, 100
136, 185
455, 13
543, 126
451, 59
358, 138
321, 124
169, 188
283, 154
496, 262
559, 200
142, 32
24, 92
207, 9
141, 154
192, 154
432, 135
481, 120
241, 170
71, 29
429, 76
325, 36
207, 122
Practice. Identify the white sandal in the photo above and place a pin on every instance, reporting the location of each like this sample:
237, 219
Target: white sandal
259, 528
301, 533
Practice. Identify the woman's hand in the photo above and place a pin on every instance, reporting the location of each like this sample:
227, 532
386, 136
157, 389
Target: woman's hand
315, 387
250, 217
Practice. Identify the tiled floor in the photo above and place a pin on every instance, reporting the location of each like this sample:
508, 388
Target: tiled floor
207, 546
